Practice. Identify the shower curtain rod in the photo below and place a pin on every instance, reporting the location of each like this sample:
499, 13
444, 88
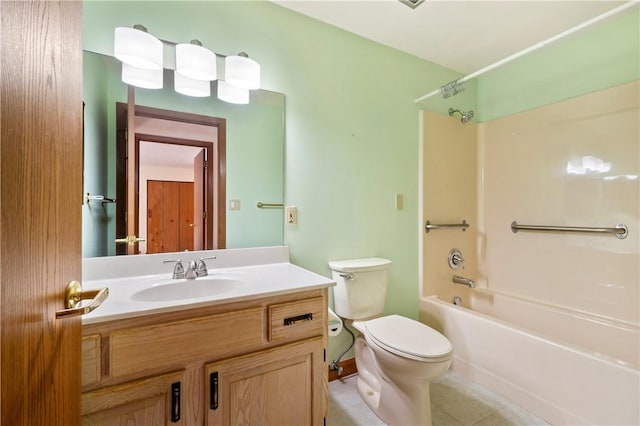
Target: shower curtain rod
536, 46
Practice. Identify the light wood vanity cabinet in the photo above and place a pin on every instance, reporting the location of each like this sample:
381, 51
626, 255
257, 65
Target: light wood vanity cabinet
152, 401
271, 387
258, 362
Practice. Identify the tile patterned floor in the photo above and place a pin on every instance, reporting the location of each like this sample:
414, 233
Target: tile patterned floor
455, 401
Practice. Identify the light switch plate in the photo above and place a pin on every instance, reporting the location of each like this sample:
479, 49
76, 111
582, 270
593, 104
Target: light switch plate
399, 201
291, 215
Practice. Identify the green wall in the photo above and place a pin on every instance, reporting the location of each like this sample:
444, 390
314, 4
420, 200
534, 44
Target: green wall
598, 57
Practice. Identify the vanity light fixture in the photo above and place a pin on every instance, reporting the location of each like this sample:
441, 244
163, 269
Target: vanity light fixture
195, 61
140, 77
141, 55
190, 86
242, 71
232, 94
136, 47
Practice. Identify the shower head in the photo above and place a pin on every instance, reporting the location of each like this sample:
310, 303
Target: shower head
465, 117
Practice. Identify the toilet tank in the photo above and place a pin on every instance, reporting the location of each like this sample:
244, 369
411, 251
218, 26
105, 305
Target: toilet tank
361, 286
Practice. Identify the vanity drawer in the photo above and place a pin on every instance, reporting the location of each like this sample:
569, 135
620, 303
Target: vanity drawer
90, 359
159, 346
295, 320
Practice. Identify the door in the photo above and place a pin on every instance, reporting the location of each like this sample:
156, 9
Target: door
152, 401
132, 161
41, 201
199, 202
170, 217
185, 216
270, 387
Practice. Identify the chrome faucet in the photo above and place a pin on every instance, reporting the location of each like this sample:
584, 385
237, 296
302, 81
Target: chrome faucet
194, 270
201, 269
191, 270
464, 281
178, 270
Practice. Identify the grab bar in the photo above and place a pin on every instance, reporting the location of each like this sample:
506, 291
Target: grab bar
621, 231
262, 205
429, 226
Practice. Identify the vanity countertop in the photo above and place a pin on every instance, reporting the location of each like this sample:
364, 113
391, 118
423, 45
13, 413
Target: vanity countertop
236, 283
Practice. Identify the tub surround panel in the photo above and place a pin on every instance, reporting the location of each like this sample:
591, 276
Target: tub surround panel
448, 193
574, 163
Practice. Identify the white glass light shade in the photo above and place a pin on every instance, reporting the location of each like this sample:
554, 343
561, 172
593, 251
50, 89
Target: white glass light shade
138, 48
196, 62
191, 87
232, 94
242, 72
140, 77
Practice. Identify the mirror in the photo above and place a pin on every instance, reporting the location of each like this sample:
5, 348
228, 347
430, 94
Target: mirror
254, 156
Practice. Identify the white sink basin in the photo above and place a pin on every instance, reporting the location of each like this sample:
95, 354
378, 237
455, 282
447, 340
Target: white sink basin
187, 289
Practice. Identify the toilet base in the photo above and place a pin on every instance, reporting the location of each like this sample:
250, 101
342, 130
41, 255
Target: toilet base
403, 404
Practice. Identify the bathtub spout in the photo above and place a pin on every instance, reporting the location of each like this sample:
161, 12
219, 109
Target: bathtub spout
464, 281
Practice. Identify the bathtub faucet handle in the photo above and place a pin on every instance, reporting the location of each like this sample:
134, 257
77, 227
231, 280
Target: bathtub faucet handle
455, 259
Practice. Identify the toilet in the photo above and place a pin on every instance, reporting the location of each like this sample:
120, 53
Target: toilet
397, 358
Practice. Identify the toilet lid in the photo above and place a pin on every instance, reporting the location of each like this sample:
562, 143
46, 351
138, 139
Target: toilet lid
406, 337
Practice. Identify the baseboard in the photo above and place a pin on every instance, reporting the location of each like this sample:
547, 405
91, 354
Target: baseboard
348, 368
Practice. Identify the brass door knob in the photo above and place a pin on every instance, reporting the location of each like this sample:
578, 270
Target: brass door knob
130, 240
74, 294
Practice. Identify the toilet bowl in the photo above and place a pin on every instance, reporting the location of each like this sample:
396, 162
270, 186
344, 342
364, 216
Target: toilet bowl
396, 357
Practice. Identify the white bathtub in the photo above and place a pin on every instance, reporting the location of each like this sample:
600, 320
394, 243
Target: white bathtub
563, 366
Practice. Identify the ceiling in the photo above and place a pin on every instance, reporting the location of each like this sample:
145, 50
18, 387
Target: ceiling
463, 36
167, 155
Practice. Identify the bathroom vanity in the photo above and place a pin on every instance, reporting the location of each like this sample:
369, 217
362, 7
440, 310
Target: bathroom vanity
251, 354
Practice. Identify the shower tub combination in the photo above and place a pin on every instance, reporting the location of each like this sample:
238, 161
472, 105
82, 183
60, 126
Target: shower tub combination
564, 366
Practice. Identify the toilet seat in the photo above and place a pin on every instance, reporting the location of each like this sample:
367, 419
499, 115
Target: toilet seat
408, 338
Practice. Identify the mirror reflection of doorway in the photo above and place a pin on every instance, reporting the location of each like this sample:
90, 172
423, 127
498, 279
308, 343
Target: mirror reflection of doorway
172, 197
194, 143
